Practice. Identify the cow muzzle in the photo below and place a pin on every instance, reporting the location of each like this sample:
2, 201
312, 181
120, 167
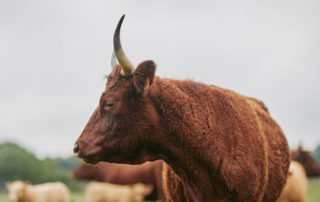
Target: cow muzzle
91, 156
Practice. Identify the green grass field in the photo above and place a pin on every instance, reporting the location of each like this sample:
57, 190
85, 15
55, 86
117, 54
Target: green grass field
313, 195
314, 190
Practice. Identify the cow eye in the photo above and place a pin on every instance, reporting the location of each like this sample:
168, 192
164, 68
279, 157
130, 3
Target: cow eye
108, 105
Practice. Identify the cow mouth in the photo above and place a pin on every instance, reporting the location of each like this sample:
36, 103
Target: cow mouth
90, 157
138, 156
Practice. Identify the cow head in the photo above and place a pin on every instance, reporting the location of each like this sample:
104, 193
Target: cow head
17, 190
125, 118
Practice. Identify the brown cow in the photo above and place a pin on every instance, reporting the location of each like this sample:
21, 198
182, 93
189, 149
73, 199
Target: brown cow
218, 145
123, 174
309, 163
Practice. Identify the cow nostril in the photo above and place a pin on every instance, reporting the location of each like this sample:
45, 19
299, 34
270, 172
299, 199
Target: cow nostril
76, 148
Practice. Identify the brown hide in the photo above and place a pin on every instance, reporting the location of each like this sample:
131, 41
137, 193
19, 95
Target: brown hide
123, 174
309, 163
221, 145
217, 145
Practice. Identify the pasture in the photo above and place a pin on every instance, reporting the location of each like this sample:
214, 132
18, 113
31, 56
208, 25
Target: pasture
313, 194
314, 190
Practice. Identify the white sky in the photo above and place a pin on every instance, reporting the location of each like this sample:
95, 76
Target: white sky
54, 55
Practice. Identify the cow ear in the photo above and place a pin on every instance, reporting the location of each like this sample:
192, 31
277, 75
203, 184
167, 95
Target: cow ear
143, 76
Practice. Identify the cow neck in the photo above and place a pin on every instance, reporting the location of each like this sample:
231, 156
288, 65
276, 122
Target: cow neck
181, 150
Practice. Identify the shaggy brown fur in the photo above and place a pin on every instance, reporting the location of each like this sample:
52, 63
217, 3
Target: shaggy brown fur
123, 174
221, 146
309, 163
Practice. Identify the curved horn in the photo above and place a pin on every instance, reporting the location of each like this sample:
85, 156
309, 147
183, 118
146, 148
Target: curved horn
113, 60
126, 65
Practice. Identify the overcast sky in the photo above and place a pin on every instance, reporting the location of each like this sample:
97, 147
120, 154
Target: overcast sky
54, 55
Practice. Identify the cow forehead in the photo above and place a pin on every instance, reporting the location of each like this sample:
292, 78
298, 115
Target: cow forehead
112, 81
118, 88
114, 77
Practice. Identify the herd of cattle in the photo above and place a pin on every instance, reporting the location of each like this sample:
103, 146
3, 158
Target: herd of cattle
215, 144
133, 183
95, 192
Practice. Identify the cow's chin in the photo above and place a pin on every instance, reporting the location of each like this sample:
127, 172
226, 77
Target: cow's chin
135, 158
92, 160
123, 160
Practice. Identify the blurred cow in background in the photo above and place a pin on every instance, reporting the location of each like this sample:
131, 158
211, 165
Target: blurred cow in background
296, 188
106, 192
122, 174
309, 163
49, 192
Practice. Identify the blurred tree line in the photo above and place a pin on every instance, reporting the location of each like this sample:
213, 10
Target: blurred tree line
17, 163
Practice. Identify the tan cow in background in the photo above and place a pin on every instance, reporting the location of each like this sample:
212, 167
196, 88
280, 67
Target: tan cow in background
49, 192
296, 188
106, 192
